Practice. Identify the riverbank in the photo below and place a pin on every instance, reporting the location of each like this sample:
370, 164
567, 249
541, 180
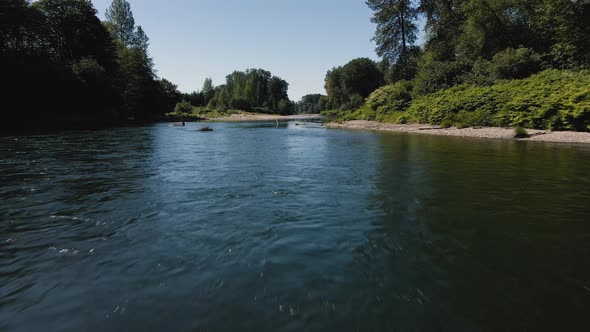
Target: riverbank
479, 132
244, 117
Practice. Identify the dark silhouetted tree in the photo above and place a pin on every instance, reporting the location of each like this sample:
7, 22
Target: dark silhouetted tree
120, 17
396, 30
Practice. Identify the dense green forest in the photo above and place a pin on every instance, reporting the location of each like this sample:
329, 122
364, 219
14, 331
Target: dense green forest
483, 63
64, 68
311, 104
253, 90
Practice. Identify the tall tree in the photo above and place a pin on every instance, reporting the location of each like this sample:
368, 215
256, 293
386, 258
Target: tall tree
141, 40
244, 90
72, 69
75, 32
562, 28
277, 91
311, 104
444, 21
396, 29
208, 90
119, 15
350, 84
23, 30
142, 43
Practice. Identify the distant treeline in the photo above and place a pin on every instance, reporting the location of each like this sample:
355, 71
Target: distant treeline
62, 67
311, 104
472, 48
252, 90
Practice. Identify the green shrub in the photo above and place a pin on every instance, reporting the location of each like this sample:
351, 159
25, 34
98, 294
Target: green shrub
520, 132
565, 55
552, 99
434, 108
446, 123
241, 104
336, 115
386, 104
391, 98
355, 101
183, 107
480, 74
89, 70
331, 113
515, 63
437, 75
285, 107
403, 119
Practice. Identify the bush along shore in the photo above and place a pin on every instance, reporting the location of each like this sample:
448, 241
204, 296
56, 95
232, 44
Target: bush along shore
475, 132
553, 100
518, 64
185, 111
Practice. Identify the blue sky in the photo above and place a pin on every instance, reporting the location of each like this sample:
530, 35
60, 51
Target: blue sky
297, 40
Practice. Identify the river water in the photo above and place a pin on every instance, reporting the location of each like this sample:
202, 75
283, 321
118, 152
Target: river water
297, 228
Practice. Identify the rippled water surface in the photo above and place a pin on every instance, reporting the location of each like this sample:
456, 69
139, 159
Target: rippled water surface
295, 228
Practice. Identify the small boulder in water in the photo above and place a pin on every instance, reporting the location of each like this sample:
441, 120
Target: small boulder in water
205, 128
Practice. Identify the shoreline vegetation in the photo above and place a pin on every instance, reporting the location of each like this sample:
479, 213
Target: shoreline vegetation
245, 117
557, 100
207, 115
535, 135
67, 69
551, 106
493, 64
64, 68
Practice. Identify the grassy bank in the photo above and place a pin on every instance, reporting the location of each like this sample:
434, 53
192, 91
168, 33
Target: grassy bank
552, 99
199, 113
193, 113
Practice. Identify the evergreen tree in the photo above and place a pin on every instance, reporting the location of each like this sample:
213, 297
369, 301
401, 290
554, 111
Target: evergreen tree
141, 40
208, 90
119, 15
351, 83
444, 21
396, 29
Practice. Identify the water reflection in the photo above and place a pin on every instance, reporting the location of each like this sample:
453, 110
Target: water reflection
64, 198
295, 228
456, 251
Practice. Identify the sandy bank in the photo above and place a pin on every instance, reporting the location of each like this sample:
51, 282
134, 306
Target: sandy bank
484, 132
265, 117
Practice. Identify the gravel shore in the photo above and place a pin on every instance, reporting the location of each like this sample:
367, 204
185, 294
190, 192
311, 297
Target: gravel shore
483, 132
265, 117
